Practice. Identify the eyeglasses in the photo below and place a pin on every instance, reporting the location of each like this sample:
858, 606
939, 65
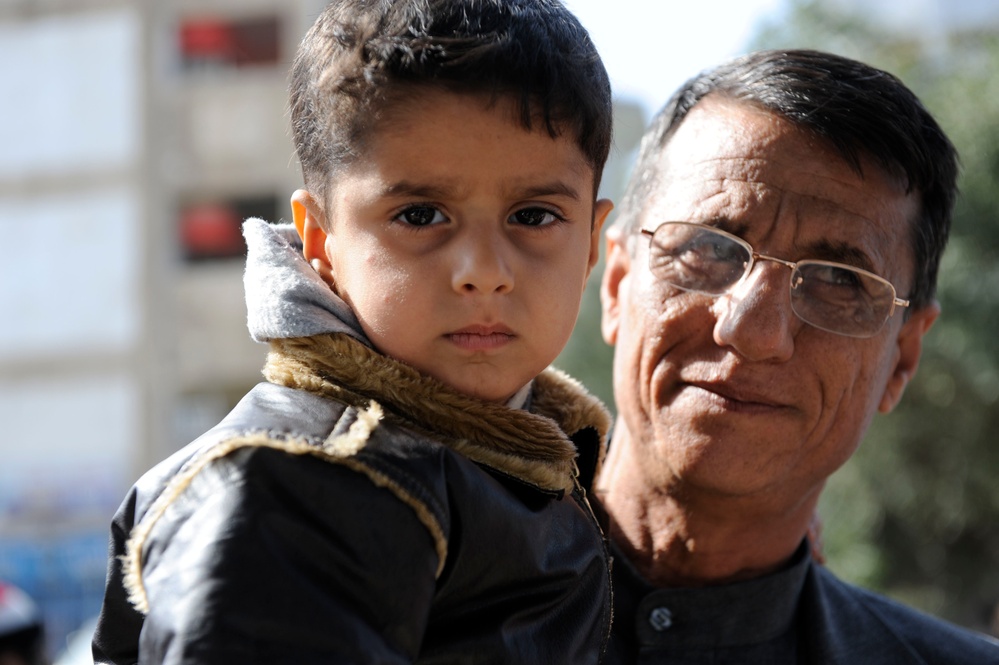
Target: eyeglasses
835, 297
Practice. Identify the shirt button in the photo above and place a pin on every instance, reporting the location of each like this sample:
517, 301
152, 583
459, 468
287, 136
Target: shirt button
660, 619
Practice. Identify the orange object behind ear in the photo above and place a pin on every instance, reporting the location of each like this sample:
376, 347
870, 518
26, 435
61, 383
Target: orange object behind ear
308, 223
308, 220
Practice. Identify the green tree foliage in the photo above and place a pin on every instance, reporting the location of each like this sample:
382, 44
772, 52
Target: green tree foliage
915, 513
586, 356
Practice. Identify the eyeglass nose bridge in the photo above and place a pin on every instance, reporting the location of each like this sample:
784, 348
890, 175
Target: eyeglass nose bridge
795, 278
755, 257
764, 257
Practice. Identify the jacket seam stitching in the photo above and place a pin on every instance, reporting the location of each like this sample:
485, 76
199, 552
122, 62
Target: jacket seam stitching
337, 451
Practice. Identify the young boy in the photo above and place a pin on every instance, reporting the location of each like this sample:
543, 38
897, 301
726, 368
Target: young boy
408, 484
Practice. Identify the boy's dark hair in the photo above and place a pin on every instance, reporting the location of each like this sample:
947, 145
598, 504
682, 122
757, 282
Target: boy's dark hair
361, 55
859, 109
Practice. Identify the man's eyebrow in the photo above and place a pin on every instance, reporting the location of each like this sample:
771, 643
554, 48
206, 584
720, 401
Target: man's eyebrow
840, 253
824, 250
740, 230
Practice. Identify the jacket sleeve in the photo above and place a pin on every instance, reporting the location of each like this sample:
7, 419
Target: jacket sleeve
272, 557
116, 636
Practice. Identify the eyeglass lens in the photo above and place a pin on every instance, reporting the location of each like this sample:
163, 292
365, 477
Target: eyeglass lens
831, 296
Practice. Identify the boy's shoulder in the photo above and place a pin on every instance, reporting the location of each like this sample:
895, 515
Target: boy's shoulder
290, 452
410, 456
305, 425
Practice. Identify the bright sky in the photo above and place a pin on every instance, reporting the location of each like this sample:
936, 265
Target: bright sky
650, 47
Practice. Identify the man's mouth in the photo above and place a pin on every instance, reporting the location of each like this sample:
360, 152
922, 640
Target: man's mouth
736, 398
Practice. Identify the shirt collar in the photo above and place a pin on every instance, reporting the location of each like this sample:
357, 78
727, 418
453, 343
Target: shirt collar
730, 615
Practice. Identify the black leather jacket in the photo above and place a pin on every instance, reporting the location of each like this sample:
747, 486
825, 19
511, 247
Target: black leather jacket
328, 525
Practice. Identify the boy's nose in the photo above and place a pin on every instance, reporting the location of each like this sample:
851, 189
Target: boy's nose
481, 265
755, 318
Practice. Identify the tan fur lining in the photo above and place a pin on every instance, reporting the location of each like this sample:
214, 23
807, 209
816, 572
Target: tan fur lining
532, 445
337, 450
564, 399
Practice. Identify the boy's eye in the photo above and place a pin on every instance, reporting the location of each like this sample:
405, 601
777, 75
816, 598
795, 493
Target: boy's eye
534, 217
421, 216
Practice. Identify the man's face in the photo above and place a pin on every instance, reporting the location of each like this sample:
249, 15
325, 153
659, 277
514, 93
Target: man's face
735, 394
463, 241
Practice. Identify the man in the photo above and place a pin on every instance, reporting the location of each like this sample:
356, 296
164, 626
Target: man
768, 285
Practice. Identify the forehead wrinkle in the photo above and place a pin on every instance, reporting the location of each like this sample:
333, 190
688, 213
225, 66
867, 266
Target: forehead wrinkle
738, 210
794, 203
864, 249
770, 178
721, 183
870, 249
761, 171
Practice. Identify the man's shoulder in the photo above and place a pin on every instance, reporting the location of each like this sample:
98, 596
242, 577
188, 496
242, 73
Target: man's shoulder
853, 619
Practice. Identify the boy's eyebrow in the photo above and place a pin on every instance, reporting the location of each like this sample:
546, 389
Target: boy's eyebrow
554, 188
420, 190
439, 191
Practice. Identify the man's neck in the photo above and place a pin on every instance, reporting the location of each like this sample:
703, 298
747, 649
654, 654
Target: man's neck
677, 536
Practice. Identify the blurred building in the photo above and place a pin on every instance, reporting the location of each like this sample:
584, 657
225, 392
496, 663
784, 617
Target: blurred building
135, 136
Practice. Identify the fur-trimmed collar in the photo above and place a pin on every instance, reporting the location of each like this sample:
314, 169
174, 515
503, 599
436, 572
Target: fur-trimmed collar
533, 445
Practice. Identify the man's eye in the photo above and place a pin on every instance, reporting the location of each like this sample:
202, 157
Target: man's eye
713, 250
534, 217
836, 276
421, 216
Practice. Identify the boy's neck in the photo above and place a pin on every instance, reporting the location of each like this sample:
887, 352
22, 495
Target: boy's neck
519, 398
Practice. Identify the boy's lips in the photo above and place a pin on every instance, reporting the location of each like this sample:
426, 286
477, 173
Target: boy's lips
481, 337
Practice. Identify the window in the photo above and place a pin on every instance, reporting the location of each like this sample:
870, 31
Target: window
210, 229
211, 42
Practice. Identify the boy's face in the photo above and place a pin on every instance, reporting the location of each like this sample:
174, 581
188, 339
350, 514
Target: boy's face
461, 241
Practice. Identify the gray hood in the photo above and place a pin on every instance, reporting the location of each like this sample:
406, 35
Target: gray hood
285, 297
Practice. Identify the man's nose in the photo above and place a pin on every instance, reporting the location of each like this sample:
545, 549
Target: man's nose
482, 263
755, 317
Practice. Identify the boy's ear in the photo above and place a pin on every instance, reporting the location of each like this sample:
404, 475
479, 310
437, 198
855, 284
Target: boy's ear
310, 223
601, 209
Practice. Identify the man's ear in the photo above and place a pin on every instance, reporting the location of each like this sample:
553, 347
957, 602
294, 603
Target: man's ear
908, 350
601, 209
310, 223
616, 270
